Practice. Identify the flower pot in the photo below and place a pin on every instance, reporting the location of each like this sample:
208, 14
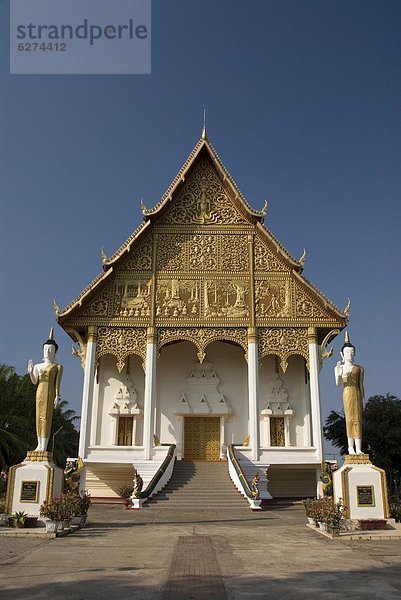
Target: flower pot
66, 523
83, 520
79, 520
51, 526
322, 526
3, 519
334, 530
310, 521
30, 522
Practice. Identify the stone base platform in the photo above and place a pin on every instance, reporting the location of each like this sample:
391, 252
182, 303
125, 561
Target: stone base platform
391, 534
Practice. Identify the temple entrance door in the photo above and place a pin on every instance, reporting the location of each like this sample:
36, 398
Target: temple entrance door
202, 438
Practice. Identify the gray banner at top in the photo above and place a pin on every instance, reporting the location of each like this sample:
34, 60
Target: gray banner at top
58, 37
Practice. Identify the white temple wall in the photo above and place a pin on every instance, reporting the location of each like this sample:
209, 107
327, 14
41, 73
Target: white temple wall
230, 365
298, 397
174, 366
110, 380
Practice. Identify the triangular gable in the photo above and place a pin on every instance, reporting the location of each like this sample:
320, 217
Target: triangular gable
190, 223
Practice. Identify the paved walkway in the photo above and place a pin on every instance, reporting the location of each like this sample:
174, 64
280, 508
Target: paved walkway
160, 554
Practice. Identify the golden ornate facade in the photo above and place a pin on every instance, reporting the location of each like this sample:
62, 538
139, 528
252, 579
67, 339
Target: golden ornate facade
202, 267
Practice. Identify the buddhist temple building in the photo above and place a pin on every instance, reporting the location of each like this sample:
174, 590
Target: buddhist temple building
201, 331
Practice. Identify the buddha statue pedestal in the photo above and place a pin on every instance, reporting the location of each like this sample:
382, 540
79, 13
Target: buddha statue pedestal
32, 482
362, 488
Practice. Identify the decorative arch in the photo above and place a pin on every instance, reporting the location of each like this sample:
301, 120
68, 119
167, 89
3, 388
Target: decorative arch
202, 337
121, 342
284, 342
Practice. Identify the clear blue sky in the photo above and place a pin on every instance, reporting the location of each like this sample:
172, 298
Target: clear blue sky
303, 101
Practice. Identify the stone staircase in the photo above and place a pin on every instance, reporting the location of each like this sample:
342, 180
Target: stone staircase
199, 486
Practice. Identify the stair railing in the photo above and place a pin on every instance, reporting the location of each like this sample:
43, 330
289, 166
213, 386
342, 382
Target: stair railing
159, 479
240, 481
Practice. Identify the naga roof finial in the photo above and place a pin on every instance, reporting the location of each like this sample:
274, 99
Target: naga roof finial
144, 209
302, 259
56, 307
104, 257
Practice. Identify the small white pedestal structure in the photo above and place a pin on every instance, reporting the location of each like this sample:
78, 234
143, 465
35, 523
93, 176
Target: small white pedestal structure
32, 482
362, 487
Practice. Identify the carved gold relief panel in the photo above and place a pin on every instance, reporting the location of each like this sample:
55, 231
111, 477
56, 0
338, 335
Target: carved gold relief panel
306, 307
273, 298
140, 257
99, 306
202, 252
132, 298
121, 342
177, 299
284, 342
203, 201
202, 337
234, 253
202, 299
225, 298
172, 252
266, 260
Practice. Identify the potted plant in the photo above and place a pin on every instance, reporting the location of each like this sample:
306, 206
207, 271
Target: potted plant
125, 492
52, 511
395, 508
68, 503
318, 510
18, 519
3, 516
335, 516
308, 507
82, 504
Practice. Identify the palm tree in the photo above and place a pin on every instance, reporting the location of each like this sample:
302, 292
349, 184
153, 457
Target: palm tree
16, 404
17, 421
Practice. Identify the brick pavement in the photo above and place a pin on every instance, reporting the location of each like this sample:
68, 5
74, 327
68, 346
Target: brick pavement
194, 572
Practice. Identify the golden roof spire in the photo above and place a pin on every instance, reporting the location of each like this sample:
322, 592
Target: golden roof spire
51, 333
347, 338
204, 137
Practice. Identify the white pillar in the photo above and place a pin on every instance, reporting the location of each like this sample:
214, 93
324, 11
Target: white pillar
113, 430
253, 392
95, 411
87, 392
314, 369
150, 393
223, 447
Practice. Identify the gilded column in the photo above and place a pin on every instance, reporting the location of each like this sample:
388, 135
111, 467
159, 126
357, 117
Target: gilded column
253, 392
314, 369
87, 392
150, 393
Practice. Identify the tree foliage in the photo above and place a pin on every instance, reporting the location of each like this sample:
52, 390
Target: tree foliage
381, 434
17, 421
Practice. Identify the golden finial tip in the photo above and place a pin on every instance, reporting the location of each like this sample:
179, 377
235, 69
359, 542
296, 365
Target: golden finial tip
347, 338
51, 333
204, 137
